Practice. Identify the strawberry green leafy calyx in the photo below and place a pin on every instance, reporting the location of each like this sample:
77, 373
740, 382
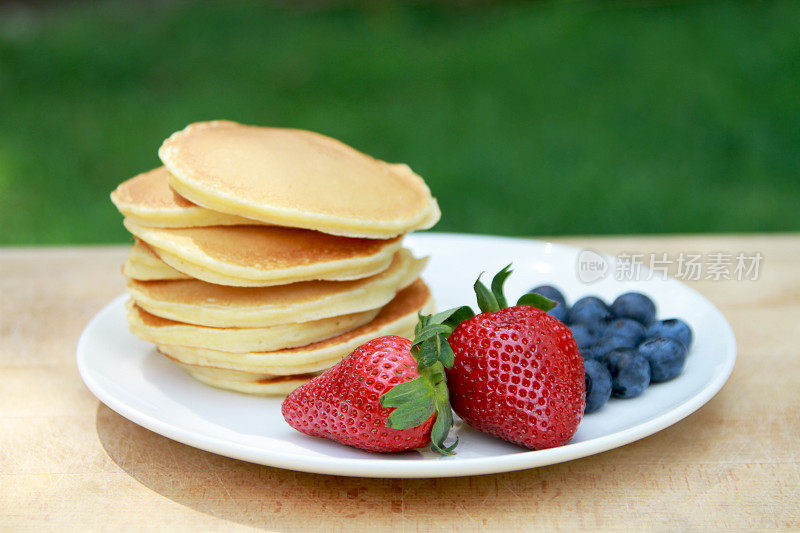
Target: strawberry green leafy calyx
493, 300
415, 401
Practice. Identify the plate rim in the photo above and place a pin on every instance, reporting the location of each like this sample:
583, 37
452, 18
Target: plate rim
382, 468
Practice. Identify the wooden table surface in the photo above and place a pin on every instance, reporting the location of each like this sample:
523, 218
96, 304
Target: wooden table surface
68, 462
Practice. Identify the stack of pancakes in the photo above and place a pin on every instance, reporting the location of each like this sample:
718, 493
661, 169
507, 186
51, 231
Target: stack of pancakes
264, 255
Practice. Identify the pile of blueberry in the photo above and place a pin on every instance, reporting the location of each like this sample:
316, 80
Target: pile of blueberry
624, 347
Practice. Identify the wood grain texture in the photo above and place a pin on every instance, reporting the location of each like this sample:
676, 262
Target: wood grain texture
67, 462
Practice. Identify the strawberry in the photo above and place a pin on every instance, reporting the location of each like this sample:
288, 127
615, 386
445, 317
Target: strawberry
388, 395
517, 374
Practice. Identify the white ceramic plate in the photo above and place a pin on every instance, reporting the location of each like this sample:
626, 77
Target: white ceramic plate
128, 375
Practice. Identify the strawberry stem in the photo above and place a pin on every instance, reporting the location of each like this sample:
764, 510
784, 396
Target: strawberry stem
444, 421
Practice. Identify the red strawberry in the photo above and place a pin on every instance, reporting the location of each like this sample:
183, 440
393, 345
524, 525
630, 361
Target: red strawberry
517, 373
388, 395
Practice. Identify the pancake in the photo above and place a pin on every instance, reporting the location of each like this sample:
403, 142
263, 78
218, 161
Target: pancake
148, 200
265, 255
296, 178
199, 272
143, 264
197, 302
241, 340
398, 317
256, 384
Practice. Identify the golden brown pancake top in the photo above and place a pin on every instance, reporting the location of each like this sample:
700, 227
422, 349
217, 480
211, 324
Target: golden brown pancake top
150, 190
294, 170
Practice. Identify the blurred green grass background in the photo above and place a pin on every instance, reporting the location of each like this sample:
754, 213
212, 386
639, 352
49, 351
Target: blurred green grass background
525, 118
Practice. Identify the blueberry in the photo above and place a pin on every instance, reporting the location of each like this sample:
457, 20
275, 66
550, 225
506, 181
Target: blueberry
584, 336
598, 385
666, 357
613, 356
627, 328
634, 305
550, 292
630, 373
673, 328
589, 310
560, 311
603, 345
